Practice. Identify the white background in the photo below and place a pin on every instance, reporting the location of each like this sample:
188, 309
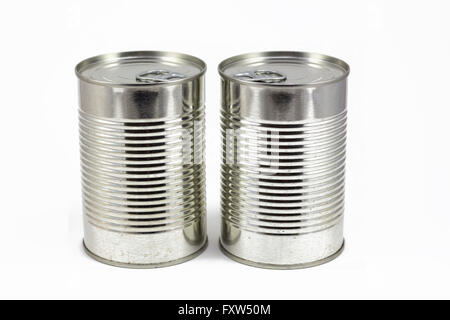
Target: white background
397, 224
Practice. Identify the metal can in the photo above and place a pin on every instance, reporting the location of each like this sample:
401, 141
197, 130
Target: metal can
141, 121
284, 134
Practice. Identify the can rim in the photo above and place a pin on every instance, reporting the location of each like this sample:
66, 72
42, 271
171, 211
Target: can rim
310, 56
81, 66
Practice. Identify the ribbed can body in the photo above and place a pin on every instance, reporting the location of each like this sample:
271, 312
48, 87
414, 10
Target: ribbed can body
143, 175
283, 172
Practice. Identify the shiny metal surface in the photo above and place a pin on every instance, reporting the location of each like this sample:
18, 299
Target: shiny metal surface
283, 158
141, 123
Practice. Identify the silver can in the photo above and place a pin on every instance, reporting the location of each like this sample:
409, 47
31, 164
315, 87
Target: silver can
284, 135
141, 121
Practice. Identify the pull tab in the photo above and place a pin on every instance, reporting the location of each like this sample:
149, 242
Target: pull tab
265, 76
158, 76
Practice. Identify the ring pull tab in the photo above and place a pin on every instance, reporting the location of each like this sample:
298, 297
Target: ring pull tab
158, 76
265, 76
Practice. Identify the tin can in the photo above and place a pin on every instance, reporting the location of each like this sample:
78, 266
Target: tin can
284, 134
141, 121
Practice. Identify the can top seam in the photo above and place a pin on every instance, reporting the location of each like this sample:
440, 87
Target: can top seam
316, 57
117, 56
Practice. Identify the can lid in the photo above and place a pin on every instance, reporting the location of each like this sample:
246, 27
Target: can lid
140, 68
284, 68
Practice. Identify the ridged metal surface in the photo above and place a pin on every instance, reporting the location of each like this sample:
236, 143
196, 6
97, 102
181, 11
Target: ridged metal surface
292, 186
135, 181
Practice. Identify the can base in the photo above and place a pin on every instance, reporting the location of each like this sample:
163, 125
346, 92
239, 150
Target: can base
281, 267
145, 266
